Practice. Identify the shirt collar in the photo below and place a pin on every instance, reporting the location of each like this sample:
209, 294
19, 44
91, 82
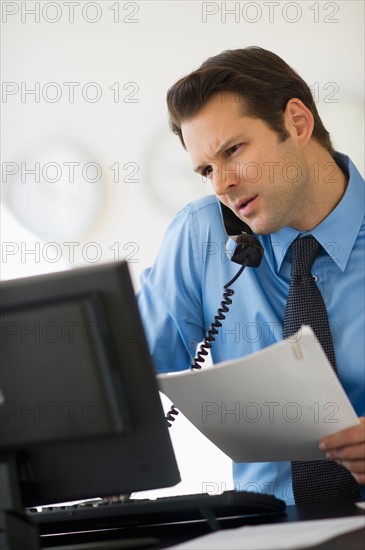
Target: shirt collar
337, 233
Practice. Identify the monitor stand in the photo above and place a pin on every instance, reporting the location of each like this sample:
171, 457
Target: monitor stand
16, 528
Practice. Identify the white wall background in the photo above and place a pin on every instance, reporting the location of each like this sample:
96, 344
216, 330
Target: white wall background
99, 72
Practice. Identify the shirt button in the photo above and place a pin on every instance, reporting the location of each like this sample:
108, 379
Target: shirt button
315, 277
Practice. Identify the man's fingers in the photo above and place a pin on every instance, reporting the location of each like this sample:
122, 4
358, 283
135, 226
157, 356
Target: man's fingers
352, 452
344, 438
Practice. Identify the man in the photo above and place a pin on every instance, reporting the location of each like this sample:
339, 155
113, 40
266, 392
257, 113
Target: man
250, 125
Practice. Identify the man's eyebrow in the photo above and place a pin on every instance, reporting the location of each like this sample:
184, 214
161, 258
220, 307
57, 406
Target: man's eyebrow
225, 145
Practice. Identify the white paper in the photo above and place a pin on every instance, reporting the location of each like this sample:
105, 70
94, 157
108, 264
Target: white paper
274, 405
286, 536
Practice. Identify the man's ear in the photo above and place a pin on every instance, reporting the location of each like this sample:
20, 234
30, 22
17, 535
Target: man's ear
299, 121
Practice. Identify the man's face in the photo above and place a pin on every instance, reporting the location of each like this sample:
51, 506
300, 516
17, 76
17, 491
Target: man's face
263, 180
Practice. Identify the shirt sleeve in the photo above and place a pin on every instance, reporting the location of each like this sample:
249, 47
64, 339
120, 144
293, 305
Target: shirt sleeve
170, 299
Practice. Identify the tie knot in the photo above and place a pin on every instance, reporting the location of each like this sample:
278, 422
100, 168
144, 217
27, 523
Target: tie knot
305, 251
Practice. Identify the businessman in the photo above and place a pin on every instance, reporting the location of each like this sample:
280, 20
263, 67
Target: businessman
250, 124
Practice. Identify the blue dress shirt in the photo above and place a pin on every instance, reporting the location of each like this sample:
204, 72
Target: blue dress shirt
181, 293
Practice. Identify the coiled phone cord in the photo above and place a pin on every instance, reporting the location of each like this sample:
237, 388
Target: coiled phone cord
211, 333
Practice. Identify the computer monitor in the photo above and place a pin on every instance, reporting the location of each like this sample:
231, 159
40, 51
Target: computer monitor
80, 412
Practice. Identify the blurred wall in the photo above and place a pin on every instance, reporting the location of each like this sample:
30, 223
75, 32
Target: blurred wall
90, 171
83, 107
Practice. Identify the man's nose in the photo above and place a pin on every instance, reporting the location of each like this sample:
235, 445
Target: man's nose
225, 175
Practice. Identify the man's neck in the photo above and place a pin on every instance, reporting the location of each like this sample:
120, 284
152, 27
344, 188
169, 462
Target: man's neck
328, 184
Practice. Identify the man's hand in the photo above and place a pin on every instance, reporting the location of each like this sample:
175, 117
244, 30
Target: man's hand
348, 448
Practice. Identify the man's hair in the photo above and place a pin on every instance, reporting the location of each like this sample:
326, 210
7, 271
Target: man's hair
261, 78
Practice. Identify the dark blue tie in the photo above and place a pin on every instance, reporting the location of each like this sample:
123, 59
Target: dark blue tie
318, 480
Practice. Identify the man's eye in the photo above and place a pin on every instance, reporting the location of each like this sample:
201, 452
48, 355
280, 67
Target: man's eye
207, 171
232, 149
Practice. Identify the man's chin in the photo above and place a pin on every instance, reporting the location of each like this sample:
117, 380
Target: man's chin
259, 228
263, 228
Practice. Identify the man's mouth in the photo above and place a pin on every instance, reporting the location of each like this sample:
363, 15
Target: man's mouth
245, 206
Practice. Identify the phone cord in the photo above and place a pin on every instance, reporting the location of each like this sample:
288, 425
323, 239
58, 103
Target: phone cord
211, 334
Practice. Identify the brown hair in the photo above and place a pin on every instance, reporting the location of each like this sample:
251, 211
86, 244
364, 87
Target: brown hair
264, 80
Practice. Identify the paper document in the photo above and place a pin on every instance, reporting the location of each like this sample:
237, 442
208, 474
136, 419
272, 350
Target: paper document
286, 536
273, 405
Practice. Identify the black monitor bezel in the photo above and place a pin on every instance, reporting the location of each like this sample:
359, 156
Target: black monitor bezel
93, 467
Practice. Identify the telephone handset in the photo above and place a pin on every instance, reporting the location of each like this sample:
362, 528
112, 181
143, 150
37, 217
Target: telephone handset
248, 248
247, 252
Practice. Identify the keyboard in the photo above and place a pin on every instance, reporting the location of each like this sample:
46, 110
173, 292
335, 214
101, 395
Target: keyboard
105, 513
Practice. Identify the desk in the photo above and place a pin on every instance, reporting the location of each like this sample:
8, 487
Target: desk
176, 533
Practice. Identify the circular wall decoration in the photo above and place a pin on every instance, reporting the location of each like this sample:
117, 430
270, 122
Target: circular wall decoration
55, 190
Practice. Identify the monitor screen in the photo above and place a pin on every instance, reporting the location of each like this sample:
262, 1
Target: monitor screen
80, 411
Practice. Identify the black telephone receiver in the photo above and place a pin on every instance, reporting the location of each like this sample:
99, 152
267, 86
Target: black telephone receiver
247, 246
248, 252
